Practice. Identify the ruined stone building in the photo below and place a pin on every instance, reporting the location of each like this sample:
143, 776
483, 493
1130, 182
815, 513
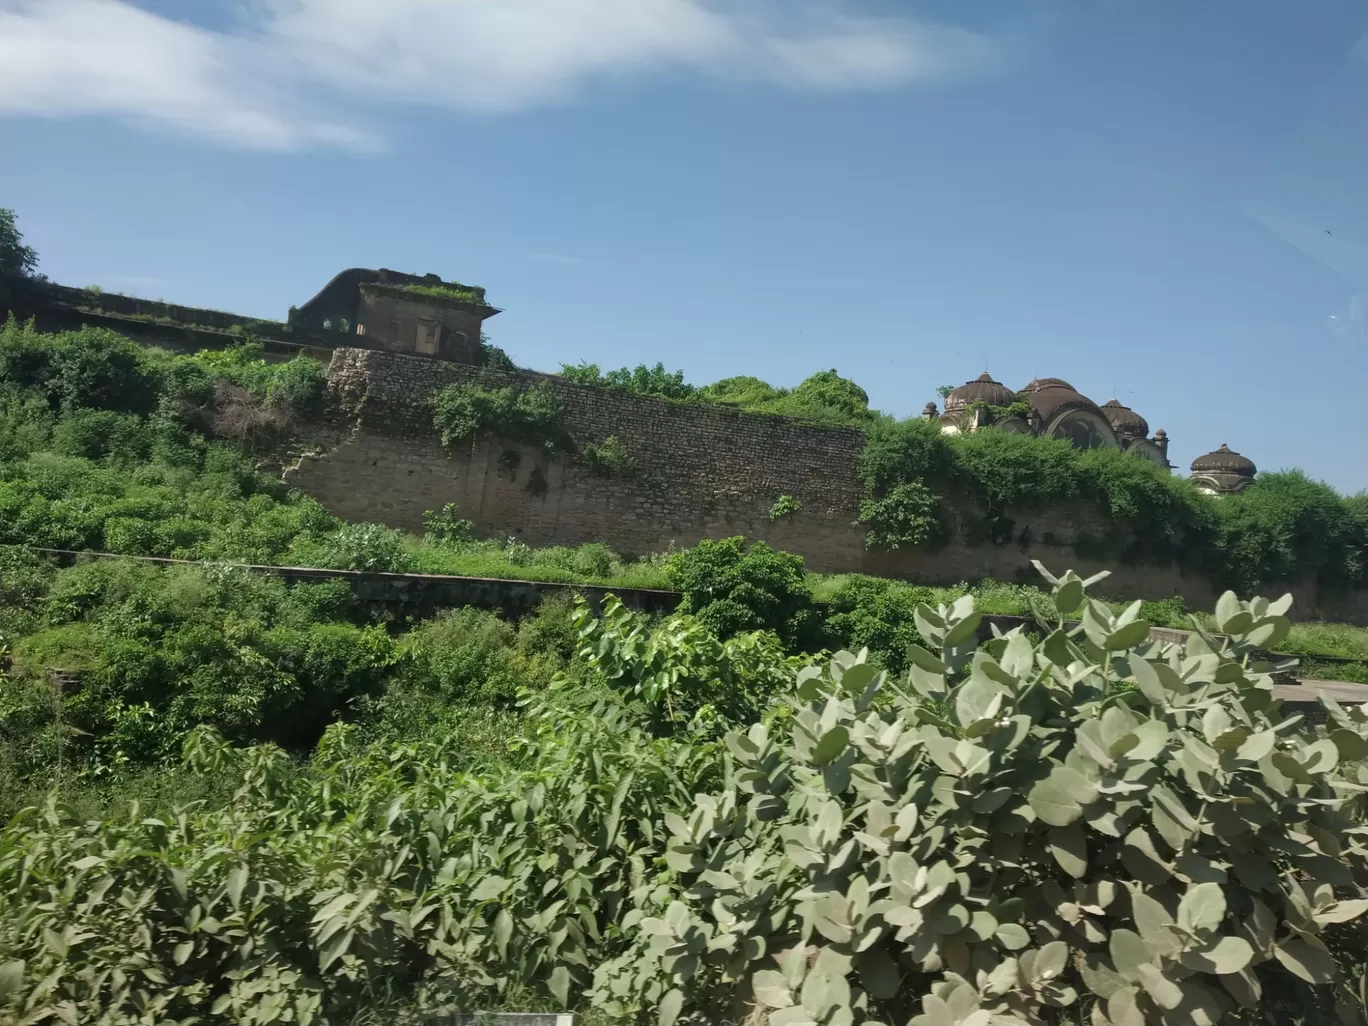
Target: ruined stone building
402, 313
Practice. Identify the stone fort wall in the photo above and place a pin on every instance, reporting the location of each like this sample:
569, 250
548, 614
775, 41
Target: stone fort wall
702, 472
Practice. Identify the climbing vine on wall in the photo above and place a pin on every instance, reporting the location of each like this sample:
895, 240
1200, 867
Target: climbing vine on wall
609, 458
533, 415
1285, 527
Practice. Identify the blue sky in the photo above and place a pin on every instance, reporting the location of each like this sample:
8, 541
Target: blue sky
1163, 201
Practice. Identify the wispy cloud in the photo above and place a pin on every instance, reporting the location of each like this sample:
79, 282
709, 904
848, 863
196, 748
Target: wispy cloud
291, 73
558, 258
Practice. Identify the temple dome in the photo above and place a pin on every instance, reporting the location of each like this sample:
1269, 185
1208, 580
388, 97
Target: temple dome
1052, 396
1124, 420
983, 389
1036, 384
1224, 461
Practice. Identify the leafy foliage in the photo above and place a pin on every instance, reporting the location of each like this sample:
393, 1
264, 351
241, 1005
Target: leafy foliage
156, 652
1284, 527
678, 675
533, 415
609, 458
910, 514
824, 398
369, 547
879, 616
829, 390
1091, 826
733, 588
472, 294
783, 507
15, 257
446, 526
1091, 822
642, 380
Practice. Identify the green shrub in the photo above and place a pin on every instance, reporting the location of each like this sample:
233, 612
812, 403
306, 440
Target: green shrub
743, 391
96, 367
1071, 830
733, 588
1141, 837
828, 390
446, 526
609, 458
679, 675
369, 547
910, 514
642, 380
1286, 526
903, 452
467, 657
161, 650
101, 434
297, 386
783, 507
877, 614
532, 415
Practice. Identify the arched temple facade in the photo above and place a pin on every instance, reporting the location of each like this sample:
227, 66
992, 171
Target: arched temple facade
1049, 408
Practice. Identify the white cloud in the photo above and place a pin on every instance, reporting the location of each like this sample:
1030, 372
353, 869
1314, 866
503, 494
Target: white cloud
72, 57
279, 78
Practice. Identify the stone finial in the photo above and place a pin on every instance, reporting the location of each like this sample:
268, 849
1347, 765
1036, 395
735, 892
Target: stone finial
929, 411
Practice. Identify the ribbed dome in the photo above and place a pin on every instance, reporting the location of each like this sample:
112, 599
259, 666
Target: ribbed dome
983, 389
1124, 420
1052, 396
1224, 461
1038, 383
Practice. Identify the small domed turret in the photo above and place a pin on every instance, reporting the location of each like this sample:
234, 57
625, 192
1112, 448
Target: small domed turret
1223, 471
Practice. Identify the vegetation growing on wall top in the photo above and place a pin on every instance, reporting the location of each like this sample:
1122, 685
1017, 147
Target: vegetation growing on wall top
527, 414
641, 380
1284, 527
472, 294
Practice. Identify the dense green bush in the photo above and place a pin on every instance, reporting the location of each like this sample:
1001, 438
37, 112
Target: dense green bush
159, 651
1077, 829
641, 379
446, 526
609, 458
532, 415
879, 615
373, 548
910, 514
733, 588
1283, 528
98, 369
743, 390
1088, 828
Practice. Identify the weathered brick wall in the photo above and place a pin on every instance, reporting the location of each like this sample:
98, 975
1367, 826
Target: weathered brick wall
703, 472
